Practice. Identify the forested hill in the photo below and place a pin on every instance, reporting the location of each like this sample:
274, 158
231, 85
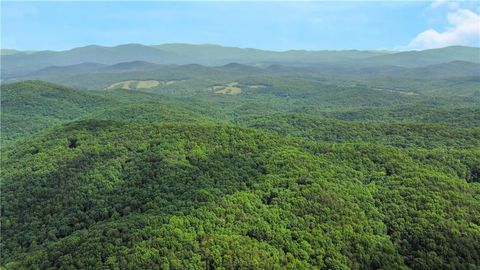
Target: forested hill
16, 63
32, 106
299, 153
138, 165
106, 194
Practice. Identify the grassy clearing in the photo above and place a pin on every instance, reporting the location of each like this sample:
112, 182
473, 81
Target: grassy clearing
147, 84
121, 85
229, 89
137, 84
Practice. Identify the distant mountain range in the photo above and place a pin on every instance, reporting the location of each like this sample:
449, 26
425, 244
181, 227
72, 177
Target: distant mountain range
19, 63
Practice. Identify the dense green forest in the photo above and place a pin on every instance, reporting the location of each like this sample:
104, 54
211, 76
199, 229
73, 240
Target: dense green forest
303, 162
207, 196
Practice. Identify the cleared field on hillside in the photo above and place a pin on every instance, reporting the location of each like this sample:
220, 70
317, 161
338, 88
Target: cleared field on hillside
137, 84
229, 89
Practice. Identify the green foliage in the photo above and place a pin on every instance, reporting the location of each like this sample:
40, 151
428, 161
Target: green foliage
31, 106
395, 134
325, 166
181, 196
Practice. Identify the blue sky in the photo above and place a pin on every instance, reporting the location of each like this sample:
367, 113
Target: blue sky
265, 25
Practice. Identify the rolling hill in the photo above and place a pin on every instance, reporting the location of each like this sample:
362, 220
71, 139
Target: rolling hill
427, 57
95, 194
32, 106
19, 64
146, 165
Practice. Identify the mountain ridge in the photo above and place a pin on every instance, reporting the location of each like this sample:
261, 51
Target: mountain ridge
211, 45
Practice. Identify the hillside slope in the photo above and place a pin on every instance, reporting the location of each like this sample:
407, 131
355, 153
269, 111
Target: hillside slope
16, 64
31, 106
384, 117
427, 57
102, 194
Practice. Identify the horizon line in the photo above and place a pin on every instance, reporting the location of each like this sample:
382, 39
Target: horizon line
227, 46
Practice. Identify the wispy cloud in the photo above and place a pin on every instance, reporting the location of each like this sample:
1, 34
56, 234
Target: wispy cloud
441, 3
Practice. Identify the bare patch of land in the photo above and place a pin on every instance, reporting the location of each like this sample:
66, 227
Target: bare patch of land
257, 86
139, 84
229, 89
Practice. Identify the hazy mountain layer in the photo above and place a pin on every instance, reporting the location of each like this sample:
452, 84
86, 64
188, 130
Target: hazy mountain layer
15, 64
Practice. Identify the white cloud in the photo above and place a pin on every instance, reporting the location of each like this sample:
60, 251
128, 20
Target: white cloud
464, 29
